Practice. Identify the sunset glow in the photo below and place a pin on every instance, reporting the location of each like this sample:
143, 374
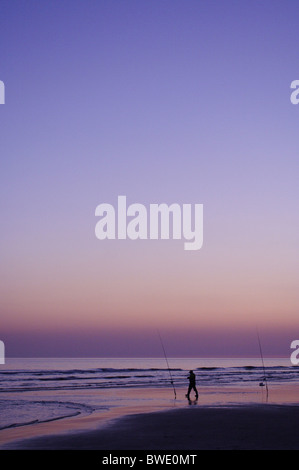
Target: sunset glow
165, 102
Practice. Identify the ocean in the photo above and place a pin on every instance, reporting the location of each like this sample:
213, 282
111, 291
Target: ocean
36, 390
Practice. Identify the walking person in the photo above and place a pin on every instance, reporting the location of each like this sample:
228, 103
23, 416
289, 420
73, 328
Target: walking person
192, 385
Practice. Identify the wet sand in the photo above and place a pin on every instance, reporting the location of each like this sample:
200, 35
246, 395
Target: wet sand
237, 427
199, 425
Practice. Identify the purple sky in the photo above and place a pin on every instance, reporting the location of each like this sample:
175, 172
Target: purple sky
161, 101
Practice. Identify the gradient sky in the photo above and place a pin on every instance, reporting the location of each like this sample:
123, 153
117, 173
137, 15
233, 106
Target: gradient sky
161, 101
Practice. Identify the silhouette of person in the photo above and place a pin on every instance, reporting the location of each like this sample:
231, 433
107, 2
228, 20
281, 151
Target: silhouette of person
192, 385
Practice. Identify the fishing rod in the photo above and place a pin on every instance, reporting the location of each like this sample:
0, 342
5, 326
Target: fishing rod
262, 384
171, 380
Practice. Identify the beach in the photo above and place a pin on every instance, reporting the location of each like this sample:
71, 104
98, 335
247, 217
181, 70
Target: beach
229, 419
126, 404
255, 427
